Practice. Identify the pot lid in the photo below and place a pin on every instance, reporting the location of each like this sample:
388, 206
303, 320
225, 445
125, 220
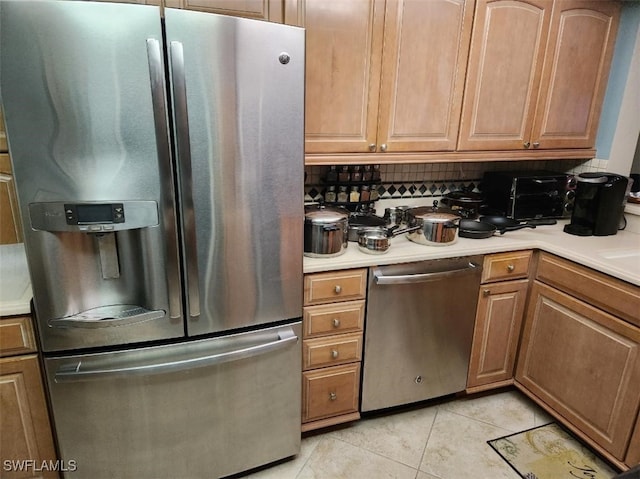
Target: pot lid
465, 196
592, 178
433, 215
321, 214
359, 219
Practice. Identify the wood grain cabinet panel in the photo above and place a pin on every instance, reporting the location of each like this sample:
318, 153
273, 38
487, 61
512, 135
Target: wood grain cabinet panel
328, 319
576, 69
383, 77
16, 336
3, 134
270, 10
424, 63
335, 286
584, 364
633, 454
504, 266
496, 334
332, 350
330, 391
10, 222
26, 434
505, 66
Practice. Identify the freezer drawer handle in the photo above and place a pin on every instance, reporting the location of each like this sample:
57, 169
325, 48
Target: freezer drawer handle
423, 277
73, 372
108, 316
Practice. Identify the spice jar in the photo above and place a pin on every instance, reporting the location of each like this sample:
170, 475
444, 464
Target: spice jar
330, 195
376, 173
356, 174
374, 194
332, 174
365, 193
367, 174
343, 196
354, 194
344, 175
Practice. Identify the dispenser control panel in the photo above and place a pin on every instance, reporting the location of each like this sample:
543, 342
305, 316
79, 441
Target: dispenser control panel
93, 217
94, 214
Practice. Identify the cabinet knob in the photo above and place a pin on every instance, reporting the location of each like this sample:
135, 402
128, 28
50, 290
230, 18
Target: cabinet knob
486, 292
336, 322
383, 147
536, 144
527, 144
372, 147
511, 268
338, 289
334, 354
333, 396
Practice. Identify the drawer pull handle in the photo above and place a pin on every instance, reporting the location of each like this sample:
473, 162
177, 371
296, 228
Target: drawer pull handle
333, 396
511, 268
486, 292
334, 354
338, 289
336, 323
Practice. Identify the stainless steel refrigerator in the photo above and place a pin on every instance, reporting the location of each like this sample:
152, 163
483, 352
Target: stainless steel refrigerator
159, 169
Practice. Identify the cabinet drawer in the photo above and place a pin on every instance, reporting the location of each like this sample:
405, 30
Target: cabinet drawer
333, 318
16, 336
598, 289
330, 391
335, 286
503, 266
331, 350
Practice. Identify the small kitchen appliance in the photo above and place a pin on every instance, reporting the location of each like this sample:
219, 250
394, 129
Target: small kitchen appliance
526, 195
598, 205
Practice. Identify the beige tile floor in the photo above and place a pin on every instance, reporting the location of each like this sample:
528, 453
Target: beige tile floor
444, 440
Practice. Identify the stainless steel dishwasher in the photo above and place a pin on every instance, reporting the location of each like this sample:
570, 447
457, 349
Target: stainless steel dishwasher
419, 328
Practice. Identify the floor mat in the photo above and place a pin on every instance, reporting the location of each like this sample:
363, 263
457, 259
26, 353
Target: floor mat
549, 452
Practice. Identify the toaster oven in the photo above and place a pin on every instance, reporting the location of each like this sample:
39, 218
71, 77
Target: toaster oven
525, 195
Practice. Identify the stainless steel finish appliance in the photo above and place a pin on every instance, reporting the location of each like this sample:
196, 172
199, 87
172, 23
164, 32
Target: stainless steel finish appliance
526, 195
599, 205
159, 169
420, 319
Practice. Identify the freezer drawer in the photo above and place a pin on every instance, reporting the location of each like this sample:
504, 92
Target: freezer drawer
205, 408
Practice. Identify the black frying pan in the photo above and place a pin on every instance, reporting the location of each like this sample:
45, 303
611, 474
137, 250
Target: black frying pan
502, 223
475, 229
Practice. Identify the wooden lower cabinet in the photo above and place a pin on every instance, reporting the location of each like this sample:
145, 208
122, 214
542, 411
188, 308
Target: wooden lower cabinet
496, 334
333, 321
26, 433
584, 364
633, 454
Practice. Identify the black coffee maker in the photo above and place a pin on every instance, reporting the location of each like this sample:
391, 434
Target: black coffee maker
598, 204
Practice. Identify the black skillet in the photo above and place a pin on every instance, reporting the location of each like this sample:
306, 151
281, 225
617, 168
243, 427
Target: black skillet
502, 223
469, 228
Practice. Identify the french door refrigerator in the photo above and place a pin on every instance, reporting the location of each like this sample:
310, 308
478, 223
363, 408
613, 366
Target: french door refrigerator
159, 168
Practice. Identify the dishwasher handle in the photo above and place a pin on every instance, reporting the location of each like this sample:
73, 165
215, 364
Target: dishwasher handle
381, 279
73, 372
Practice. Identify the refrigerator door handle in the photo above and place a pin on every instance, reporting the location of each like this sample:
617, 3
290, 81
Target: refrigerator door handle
183, 148
160, 116
108, 316
74, 372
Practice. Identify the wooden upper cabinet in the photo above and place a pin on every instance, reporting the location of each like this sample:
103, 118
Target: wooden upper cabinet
343, 55
10, 223
576, 69
271, 10
426, 45
383, 76
505, 67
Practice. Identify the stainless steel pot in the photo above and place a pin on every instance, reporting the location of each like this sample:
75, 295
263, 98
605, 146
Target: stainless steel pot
375, 240
325, 231
438, 227
465, 203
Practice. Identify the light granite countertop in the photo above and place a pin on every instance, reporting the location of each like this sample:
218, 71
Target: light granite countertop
617, 255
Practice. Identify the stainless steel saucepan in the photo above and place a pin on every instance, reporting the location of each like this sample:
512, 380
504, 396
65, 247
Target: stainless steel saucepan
375, 240
436, 226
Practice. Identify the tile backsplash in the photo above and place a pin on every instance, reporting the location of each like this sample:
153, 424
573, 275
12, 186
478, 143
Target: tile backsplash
435, 179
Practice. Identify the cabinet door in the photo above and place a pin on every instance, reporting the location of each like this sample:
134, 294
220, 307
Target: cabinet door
633, 453
496, 334
10, 224
343, 56
505, 65
424, 63
584, 364
26, 433
271, 10
581, 41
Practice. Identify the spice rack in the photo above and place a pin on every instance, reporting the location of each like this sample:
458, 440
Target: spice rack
351, 187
